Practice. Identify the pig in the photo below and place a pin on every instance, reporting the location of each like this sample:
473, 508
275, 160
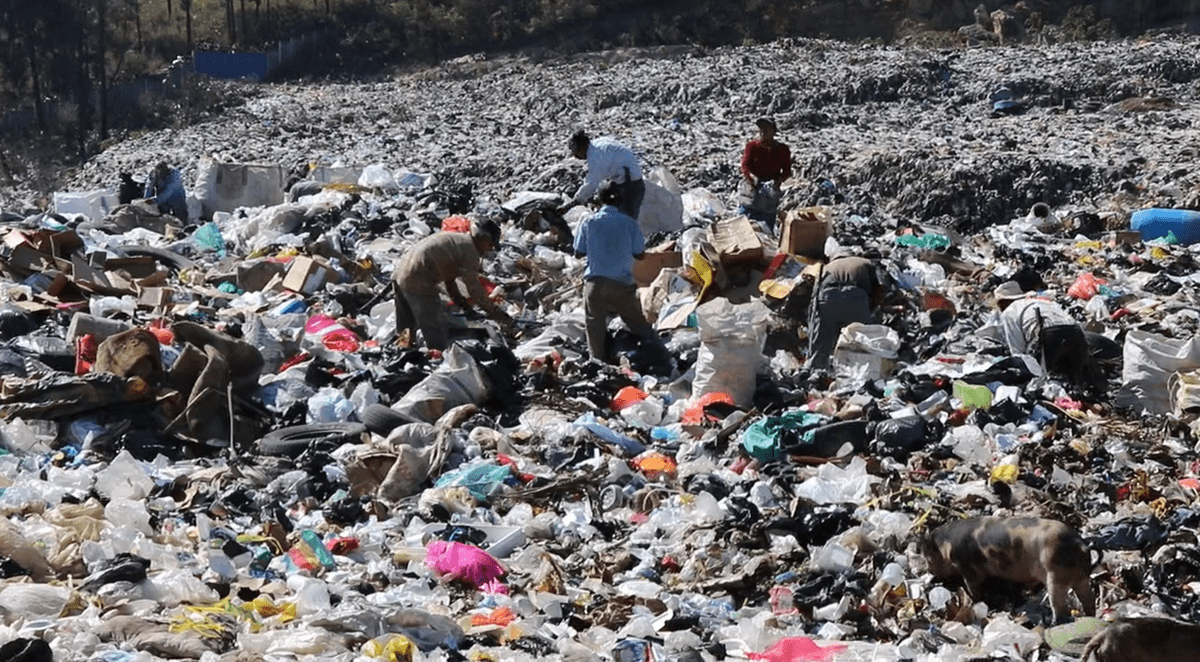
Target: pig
1025, 550
1144, 640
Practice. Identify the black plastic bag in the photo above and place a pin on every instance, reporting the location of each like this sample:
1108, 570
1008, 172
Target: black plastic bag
1132, 533
899, 437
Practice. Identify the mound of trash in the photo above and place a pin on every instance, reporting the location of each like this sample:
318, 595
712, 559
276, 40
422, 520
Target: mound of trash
218, 445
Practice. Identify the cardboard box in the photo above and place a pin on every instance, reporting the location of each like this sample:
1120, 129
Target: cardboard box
736, 241
62, 244
1129, 237
305, 275
646, 269
805, 231
136, 267
154, 297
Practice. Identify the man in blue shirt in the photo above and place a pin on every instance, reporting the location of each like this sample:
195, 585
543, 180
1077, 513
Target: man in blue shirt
164, 188
611, 240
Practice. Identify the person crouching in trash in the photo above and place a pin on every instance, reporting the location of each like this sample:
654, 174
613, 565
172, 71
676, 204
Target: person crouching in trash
611, 240
1034, 325
164, 188
443, 259
766, 164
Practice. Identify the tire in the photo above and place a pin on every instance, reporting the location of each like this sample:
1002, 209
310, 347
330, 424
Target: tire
382, 420
294, 440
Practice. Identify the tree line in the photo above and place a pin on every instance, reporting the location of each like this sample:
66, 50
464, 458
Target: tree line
55, 49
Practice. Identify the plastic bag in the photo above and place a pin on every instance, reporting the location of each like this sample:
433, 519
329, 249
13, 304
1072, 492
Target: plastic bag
329, 406
377, 176
468, 563
699, 203
662, 207
731, 344
796, 649
207, 238
1085, 286
898, 437
1149, 361
764, 439
835, 485
866, 351
324, 331
32, 601
390, 648
482, 480
124, 478
458, 381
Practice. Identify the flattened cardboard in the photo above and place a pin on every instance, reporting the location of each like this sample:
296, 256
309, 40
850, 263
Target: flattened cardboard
137, 267
21, 252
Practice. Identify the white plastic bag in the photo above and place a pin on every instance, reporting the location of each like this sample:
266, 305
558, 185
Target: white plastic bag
32, 601
377, 176
662, 208
731, 344
701, 204
1149, 362
124, 478
865, 351
458, 381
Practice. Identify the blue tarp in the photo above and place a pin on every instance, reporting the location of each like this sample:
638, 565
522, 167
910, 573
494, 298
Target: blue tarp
231, 65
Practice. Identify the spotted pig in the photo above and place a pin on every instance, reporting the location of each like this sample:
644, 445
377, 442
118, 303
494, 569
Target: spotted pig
1025, 550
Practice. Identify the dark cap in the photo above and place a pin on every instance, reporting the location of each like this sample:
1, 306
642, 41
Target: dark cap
609, 193
764, 122
488, 228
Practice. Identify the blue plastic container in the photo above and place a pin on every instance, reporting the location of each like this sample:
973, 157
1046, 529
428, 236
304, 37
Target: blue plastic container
1156, 223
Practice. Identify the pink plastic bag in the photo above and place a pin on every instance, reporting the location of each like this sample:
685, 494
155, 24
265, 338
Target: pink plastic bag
468, 563
334, 336
797, 649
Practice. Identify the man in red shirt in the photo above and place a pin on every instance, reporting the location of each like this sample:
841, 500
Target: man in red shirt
766, 163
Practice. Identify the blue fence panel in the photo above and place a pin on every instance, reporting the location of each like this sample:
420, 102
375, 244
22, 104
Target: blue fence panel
231, 65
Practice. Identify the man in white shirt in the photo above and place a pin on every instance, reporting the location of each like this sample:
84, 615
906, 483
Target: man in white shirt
609, 160
1036, 325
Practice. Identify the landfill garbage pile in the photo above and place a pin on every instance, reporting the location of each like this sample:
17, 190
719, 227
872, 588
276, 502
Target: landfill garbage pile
219, 448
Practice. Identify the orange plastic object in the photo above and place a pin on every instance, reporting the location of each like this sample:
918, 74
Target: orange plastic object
1086, 286
627, 396
502, 616
694, 415
655, 464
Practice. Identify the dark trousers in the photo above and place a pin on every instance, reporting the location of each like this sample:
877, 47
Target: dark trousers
833, 308
603, 297
420, 311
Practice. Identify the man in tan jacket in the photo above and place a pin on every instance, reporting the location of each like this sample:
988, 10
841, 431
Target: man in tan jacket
444, 258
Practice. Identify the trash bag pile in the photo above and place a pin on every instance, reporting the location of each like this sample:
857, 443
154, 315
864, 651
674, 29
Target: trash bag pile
219, 447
